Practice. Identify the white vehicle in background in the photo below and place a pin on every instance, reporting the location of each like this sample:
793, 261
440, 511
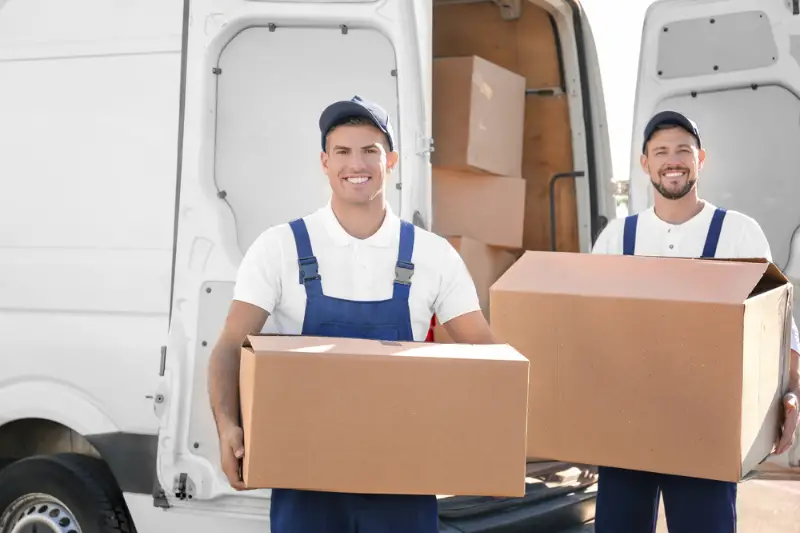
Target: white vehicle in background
116, 270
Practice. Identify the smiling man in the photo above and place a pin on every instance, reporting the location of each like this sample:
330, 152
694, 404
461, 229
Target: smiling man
680, 224
351, 269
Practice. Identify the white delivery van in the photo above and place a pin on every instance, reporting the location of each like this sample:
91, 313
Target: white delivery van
145, 144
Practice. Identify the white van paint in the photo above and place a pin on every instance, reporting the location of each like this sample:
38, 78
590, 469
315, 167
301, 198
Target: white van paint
87, 162
92, 111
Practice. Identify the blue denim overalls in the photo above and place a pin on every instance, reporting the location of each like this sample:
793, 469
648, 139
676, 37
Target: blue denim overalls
627, 500
300, 511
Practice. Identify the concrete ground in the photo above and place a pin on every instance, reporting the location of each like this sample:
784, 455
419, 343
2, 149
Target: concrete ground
764, 507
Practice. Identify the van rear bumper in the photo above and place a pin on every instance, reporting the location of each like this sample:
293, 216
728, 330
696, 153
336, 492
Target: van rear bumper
554, 503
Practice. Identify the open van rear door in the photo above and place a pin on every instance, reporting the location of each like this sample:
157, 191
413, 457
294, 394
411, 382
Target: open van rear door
734, 67
256, 76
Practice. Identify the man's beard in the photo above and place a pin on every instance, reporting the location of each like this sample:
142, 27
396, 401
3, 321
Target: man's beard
674, 195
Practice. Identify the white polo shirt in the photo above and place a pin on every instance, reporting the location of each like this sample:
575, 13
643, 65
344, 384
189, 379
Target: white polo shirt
354, 269
741, 236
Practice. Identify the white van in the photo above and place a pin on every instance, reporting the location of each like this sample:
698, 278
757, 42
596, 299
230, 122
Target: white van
116, 270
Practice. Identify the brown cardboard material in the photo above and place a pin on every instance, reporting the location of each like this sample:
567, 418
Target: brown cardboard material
365, 416
490, 209
485, 264
478, 116
529, 47
664, 365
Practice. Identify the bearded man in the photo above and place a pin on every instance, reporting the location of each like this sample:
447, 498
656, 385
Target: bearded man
681, 224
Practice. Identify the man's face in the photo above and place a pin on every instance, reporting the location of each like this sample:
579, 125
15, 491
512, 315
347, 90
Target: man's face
357, 163
673, 162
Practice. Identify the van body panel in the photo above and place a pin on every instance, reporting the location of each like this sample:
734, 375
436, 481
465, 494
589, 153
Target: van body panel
80, 267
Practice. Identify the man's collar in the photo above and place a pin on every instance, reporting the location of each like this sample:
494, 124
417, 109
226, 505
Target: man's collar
386, 234
701, 217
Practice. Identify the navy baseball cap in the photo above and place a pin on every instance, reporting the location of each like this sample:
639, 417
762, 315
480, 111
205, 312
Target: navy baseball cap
356, 107
670, 118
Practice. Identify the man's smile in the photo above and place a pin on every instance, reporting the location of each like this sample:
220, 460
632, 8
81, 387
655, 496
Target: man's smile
357, 179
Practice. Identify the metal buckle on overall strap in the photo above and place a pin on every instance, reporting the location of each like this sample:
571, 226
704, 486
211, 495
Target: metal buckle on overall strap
403, 272
309, 269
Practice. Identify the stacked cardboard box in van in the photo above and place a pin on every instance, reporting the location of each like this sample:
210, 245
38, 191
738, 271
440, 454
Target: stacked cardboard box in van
477, 185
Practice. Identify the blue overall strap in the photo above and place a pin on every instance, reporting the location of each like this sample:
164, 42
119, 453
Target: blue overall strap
714, 231
404, 269
309, 269
629, 235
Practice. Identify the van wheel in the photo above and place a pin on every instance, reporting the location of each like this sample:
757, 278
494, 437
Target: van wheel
64, 493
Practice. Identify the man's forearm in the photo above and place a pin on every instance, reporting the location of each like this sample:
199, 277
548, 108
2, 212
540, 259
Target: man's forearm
470, 328
794, 374
223, 384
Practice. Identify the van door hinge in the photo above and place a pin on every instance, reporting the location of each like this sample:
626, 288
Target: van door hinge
216, 70
795, 7
159, 496
183, 487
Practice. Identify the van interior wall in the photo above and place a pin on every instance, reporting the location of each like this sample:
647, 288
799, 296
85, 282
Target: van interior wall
528, 47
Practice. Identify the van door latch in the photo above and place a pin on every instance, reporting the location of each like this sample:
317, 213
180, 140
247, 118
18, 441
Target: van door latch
183, 487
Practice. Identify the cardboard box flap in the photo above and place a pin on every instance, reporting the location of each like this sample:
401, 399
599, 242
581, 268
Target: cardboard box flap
248, 341
773, 272
638, 277
268, 343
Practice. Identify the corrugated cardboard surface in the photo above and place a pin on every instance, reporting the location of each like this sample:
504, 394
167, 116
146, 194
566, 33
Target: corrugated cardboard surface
490, 209
364, 416
528, 46
656, 364
485, 264
478, 116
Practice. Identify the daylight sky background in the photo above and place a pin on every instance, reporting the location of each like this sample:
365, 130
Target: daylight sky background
617, 28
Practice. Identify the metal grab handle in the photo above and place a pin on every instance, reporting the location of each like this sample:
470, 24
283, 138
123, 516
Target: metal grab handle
553, 180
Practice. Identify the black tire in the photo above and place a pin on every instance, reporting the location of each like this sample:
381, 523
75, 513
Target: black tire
83, 484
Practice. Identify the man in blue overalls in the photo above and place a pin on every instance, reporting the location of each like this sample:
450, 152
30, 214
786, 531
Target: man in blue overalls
680, 224
351, 269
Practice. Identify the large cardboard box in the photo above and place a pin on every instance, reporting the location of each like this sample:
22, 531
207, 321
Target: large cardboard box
490, 209
485, 264
664, 365
478, 116
366, 416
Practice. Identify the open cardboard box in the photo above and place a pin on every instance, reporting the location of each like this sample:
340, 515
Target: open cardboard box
367, 416
657, 364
